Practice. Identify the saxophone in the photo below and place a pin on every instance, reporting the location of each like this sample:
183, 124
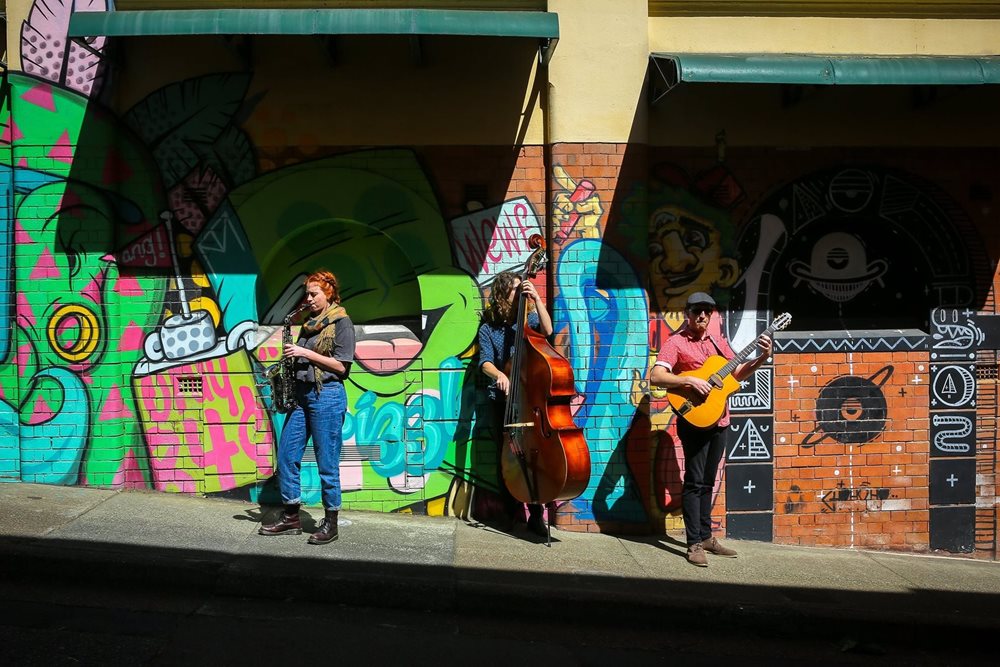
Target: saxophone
282, 375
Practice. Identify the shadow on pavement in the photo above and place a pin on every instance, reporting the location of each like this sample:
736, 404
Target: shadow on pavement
917, 617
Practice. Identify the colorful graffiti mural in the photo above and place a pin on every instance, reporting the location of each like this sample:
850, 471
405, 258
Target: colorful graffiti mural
148, 257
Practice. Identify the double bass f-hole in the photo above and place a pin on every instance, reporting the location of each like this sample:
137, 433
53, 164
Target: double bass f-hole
542, 426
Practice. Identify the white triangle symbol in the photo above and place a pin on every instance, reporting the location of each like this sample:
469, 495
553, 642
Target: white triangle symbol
749, 445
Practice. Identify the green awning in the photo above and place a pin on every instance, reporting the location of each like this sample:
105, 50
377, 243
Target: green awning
828, 70
538, 25
673, 68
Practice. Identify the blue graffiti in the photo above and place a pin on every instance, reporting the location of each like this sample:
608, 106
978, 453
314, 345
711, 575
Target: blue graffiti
232, 270
606, 309
413, 437
10, 450
51, 452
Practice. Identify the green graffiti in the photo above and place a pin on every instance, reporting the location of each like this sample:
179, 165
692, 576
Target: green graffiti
82, 185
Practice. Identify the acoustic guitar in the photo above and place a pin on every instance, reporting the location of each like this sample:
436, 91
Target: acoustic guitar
706, 411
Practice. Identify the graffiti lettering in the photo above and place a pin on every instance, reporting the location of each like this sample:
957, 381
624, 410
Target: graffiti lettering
494, 240
149, 251
412, 437
871, 497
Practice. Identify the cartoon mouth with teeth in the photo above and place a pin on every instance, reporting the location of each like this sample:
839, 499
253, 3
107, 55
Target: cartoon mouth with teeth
390, 347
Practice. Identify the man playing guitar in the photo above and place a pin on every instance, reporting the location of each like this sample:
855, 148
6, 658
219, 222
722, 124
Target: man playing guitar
687, 350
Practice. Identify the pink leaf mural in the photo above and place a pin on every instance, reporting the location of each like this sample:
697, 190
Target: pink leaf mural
48, 52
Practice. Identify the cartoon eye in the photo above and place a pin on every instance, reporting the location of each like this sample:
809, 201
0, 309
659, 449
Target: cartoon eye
838, 258
663, 218
655, 250
694, 238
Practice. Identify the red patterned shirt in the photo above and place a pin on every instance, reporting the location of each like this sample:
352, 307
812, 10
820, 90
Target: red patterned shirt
683, 353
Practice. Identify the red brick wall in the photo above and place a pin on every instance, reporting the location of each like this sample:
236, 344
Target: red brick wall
843, 494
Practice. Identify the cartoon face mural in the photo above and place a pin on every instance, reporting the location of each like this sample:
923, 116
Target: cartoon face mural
686, 256
691, 233
838, 269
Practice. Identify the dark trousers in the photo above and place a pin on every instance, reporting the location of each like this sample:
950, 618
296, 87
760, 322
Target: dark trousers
703, 450
511, 505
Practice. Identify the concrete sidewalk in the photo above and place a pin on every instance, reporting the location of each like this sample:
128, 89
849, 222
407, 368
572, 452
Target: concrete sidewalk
160, 540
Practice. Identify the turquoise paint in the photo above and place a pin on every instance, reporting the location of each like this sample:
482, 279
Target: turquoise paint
600, 295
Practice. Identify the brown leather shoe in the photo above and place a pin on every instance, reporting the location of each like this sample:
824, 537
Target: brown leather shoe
287, 524
327, 529
713, 546
696, 555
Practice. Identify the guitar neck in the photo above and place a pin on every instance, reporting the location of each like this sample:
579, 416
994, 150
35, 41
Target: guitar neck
742, 355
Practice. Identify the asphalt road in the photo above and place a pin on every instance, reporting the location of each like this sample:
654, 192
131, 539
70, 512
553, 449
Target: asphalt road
89, 624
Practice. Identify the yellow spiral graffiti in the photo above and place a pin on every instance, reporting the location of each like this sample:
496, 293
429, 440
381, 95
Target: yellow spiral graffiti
90, 332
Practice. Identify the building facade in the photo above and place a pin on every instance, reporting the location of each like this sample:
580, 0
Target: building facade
173, 170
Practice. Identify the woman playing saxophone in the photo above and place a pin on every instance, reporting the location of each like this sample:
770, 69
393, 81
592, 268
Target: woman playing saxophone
322, 357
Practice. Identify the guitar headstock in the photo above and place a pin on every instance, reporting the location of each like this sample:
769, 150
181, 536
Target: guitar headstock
781, 321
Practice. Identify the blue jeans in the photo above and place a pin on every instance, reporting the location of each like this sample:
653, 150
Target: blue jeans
321, 416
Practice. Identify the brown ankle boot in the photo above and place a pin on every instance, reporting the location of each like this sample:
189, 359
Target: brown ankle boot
327, 529
287, 524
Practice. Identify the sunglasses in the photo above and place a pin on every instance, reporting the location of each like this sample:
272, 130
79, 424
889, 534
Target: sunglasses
698, 310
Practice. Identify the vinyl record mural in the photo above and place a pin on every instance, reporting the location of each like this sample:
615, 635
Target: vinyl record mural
851, 409
858, 248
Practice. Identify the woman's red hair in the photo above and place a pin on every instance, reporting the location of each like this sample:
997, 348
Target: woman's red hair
327, 282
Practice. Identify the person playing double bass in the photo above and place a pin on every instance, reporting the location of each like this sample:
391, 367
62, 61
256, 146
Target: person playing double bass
498, 334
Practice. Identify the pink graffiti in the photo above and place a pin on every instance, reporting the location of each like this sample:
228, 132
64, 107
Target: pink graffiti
128, 286
114, 407
40, 96
131, 339
129, 474
41, 412
232, 406
45, 267
165, 449
148, 394
25, 314
11, 133
63, 150
219, 455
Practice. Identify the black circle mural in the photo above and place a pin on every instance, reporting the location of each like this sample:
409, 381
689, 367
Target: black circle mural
851, 410
859, 248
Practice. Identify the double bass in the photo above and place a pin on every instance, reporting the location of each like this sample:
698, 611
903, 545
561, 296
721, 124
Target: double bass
545, 456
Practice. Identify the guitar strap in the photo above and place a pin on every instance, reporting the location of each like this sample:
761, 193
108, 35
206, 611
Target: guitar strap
717, 348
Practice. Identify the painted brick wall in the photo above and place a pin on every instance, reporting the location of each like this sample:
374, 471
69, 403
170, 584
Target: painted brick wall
853, 473
590, 186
